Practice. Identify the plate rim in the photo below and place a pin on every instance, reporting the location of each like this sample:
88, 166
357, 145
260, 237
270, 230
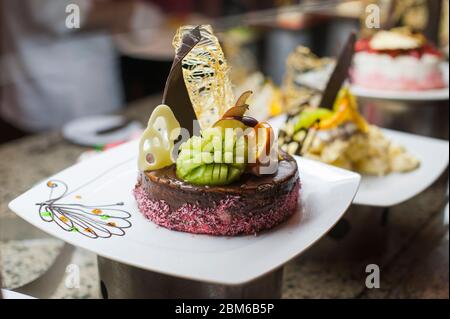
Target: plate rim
422, 188
408, 96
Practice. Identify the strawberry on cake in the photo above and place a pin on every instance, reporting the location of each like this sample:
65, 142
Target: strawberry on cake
397, 59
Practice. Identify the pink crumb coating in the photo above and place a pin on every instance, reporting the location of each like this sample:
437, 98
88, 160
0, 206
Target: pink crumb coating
379, 81
228, 217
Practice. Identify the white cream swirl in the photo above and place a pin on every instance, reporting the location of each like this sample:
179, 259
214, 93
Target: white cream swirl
396, 40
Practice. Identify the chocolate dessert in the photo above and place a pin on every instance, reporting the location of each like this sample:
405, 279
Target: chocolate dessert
248, 206
228, 179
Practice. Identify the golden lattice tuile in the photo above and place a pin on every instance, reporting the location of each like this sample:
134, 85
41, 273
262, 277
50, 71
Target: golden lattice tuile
206, 75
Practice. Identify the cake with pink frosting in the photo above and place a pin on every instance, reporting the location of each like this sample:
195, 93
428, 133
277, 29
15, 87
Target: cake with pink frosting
397, 59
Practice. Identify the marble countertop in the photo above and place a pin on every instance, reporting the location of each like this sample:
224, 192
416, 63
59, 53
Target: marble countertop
409, 242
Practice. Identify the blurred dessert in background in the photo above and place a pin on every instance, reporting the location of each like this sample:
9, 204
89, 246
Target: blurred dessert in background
306, 76
397, 59
341, 136
266, 101
239, 47
327, 125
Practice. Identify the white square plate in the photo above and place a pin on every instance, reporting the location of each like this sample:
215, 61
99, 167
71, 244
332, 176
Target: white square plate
105, 183
396, 188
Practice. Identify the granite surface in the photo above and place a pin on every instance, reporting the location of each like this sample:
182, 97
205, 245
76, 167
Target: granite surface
409, 242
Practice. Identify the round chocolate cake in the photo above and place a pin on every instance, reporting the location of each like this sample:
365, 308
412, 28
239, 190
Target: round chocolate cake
248, 206
229, 178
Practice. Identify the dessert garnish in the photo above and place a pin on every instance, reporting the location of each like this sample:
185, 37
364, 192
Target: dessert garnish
211, 159
340, 73
223, 152
397, 39
156, 146
304, 70
229, 146
176, 93
433, 25
342, 137
205, 74
344, 109
312, 81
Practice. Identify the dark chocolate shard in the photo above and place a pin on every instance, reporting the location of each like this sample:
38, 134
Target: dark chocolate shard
175, 93
433, 25
340, 73
390, 21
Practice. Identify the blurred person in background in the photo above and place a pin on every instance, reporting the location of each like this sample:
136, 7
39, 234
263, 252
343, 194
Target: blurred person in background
50, 73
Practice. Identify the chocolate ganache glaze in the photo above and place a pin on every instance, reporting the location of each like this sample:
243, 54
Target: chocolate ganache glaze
164, 185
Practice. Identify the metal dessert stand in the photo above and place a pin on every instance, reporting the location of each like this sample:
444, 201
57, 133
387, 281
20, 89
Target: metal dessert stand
119, 281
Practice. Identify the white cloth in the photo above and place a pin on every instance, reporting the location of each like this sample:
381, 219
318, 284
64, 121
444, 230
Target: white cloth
50, 74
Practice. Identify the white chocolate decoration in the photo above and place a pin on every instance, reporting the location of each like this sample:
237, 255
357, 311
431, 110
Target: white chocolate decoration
157, 141
395, 40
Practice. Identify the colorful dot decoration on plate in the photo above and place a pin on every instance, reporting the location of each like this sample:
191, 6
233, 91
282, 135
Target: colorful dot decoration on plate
51, 184
92, 221
46, 214
97, 211
64, 219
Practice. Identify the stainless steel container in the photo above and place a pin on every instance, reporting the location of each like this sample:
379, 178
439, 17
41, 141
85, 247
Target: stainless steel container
424, 118
120, 281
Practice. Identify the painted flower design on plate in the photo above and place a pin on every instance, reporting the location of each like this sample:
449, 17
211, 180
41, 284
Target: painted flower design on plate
92, 221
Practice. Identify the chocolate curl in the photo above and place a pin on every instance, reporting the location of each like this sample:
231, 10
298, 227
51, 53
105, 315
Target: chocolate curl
340, 73
390, 23
432, 28
175, 93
